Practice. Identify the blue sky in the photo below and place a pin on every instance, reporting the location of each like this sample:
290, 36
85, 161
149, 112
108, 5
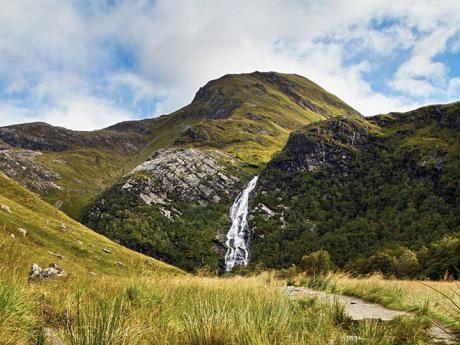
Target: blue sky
87, 64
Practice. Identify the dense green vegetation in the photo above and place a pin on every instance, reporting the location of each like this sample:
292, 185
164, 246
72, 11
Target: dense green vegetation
187, 241
392, 206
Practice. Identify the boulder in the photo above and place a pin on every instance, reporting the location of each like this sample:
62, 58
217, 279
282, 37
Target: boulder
5, 208
38, 274
22, 231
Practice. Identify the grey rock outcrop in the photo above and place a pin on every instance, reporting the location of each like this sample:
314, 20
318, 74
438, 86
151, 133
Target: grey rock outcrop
38, 274
5, 208
22, 231
332, 143
25, 167
183, 174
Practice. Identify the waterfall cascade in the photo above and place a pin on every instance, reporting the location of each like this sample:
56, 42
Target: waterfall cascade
238, 235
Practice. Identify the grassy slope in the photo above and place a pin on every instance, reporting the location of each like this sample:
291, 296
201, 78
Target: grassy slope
44, 234
269, 108
183, 310
425, 298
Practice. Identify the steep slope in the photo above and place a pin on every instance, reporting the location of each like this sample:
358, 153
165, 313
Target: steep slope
384, 188
67, 168
33, 231
173, 205
247, 116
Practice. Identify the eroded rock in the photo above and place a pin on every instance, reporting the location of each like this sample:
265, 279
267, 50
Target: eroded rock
38, 274
5, 208
177, 175
25, 167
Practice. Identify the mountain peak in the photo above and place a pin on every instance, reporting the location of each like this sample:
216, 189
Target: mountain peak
221, 97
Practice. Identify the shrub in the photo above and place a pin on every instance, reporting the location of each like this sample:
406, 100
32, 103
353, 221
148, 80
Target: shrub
318, 262
407, 264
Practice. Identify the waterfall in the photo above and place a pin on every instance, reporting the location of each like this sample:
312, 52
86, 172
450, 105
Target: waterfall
238, 235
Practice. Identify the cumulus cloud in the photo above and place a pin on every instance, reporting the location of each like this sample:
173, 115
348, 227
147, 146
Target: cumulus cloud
88, 64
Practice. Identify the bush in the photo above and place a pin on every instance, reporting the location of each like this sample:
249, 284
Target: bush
287, 273
407, 264
317, 263
400, 262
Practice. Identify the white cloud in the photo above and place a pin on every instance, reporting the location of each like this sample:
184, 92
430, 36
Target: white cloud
75, 112
422, 65
61, 54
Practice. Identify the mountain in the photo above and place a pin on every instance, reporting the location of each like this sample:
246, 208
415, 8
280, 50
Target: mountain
34, 231
249, 116
374, 192
67, 168
246, 116
173, 204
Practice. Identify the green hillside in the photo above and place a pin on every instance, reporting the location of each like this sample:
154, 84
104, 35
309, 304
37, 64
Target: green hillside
380, 194
243, 120
54, 237
248, 116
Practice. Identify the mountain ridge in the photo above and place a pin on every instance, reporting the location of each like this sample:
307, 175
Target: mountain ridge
61, 161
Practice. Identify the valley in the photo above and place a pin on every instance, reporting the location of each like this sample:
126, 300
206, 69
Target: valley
189, 228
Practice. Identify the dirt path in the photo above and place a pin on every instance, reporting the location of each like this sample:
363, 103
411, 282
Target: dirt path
358, 309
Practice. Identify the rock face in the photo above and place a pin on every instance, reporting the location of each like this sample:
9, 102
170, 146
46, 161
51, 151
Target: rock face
181, 174
38, 274
24, 166
331, 143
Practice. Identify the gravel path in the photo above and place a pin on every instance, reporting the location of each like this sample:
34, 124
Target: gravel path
358, 309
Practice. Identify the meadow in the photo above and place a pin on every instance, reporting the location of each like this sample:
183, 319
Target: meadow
166, 307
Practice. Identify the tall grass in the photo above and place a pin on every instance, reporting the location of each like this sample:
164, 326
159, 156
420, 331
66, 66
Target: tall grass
103, 322
17, 316
166, 309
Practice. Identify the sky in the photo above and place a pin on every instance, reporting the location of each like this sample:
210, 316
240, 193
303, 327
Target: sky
87, 64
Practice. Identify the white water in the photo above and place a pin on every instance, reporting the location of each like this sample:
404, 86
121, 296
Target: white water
238, 235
